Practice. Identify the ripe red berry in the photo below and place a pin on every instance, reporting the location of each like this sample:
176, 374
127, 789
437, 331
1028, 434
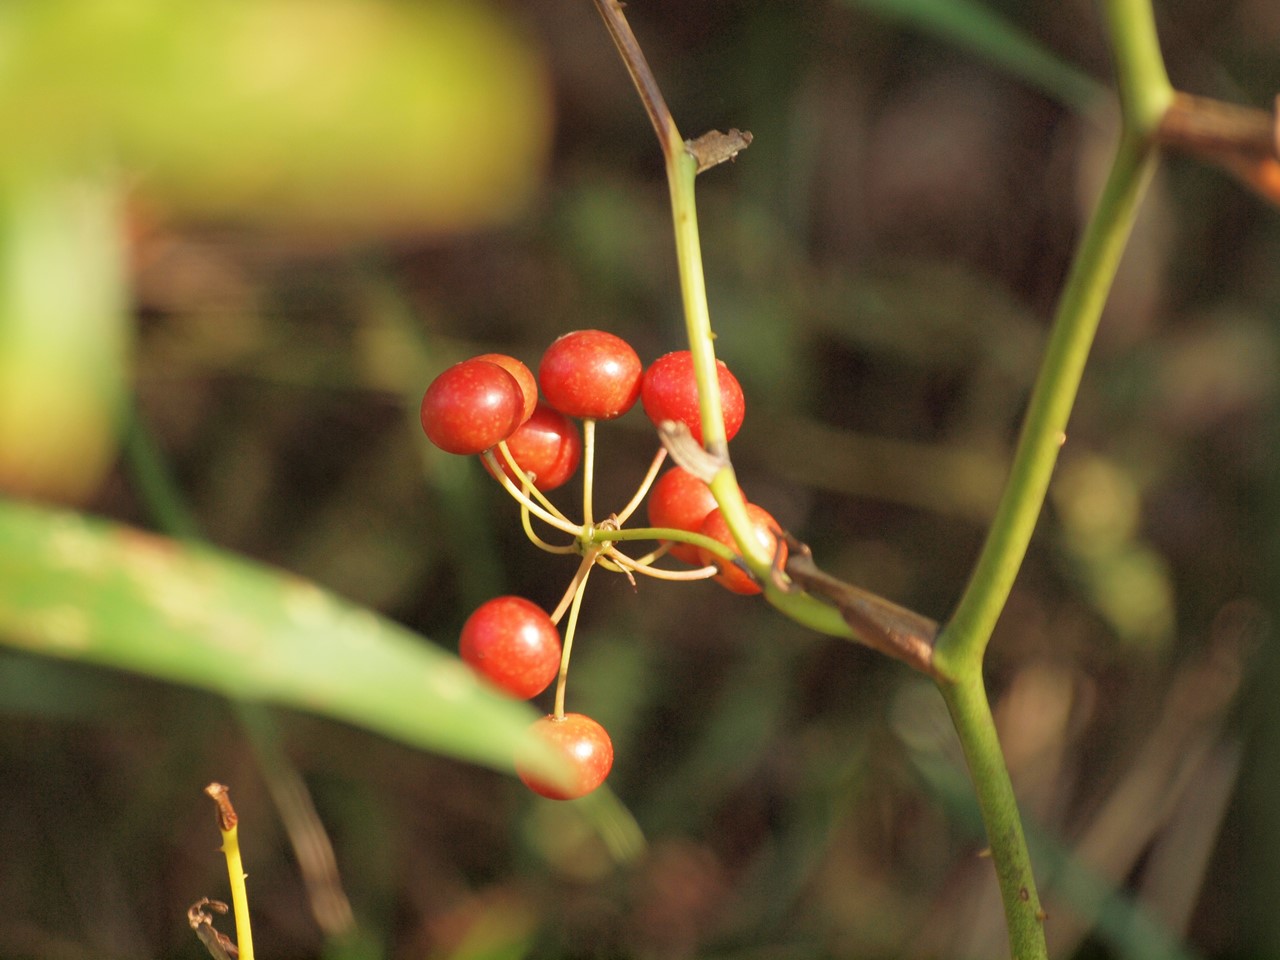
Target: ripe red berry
512, 643
731, 576
524, 377
548, 445
682, 501
471, 407
583, 743
670, 392
590, 373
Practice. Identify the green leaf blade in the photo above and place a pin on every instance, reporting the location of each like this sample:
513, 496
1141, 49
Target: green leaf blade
97, 592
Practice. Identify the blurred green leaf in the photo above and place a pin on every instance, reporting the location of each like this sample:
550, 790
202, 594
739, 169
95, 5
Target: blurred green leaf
336, 113
98, 592
65, 333
982, 31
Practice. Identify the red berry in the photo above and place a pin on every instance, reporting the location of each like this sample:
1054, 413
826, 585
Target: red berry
548, 445
584, 743
523, 375
670, 392
590, 373
682, 501
512, 643
731, 576
471, 407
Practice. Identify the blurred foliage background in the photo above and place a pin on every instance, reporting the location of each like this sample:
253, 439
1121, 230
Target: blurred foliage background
236, 242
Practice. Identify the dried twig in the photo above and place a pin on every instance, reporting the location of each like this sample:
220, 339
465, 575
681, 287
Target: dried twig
879, 623
219, 945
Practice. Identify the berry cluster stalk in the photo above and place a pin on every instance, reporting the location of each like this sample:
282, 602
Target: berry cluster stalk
1145, 95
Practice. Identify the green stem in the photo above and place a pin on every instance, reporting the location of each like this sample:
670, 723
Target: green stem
958, 654
971, 714
963, 642
682, 169
570, 630
156, 486
588, 468
609, 535
961, 645
1143, 83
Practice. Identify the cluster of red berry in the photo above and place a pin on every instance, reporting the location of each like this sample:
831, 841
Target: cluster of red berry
489, 405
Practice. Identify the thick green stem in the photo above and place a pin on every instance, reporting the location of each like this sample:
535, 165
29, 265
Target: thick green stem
962, 643
1144, 94
1144, 88
1143, 83
971, 714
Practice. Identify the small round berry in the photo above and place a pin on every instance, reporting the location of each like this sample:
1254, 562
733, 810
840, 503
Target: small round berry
548, 445
524, 377
471, 406
512, 643
681, 501
583, 743
590, 373
763, 527
670, 392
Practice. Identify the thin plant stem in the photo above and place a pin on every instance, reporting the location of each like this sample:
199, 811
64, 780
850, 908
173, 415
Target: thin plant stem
527, 485
610, 535
588, 468
633, 57
625, 513
1141, 78
963, 641
228, 826
158, 491
570, 629
961, 646
560, 523
682, 169
658, 573
536, 540
572, 590
1024, 917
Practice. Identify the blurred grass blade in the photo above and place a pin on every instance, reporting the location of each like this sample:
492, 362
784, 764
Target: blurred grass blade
982, 31
98, 592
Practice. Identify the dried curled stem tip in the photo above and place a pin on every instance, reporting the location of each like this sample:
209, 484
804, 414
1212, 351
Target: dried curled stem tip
221, 795
714, 148
196, 915
219, 945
